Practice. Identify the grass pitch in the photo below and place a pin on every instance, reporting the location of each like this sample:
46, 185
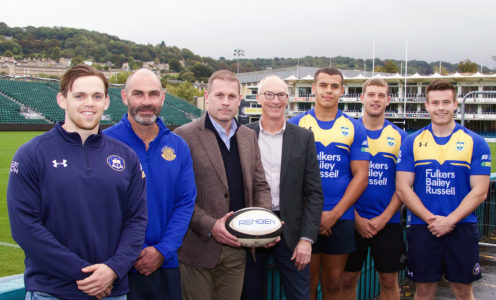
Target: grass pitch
11, 259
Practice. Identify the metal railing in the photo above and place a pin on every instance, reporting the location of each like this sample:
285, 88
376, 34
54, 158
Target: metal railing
368, 285
470, 94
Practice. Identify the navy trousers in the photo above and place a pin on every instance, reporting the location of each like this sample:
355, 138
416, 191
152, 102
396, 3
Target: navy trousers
296, 284
161, 284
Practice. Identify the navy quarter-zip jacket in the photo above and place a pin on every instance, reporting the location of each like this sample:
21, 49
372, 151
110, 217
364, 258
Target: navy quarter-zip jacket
73, 205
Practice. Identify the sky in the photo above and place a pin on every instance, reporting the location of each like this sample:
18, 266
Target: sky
429, 30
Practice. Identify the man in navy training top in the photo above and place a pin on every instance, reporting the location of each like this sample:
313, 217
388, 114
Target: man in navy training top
76, 200
170, 186
448, 167
377, 219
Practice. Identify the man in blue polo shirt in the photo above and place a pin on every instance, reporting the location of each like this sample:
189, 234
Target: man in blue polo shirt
448, 167
170, 189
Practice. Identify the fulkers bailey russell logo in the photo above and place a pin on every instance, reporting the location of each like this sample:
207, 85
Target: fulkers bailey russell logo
345, 131
116, 162
168, 153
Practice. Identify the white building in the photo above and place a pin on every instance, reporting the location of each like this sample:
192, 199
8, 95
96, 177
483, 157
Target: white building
480, 109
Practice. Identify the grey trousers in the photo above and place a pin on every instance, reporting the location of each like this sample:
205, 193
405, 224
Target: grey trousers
223, 282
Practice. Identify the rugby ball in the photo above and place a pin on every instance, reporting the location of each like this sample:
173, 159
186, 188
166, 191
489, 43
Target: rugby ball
254, 226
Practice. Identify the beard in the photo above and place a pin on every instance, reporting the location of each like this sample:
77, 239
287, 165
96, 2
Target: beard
145, 120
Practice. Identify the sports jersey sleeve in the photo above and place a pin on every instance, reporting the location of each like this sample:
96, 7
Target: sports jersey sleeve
405, 159
25, 210
359, 149
134, 224
481, 158
183, 207
295, 120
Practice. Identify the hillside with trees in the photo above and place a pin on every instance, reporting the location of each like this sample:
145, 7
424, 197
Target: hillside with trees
112, 52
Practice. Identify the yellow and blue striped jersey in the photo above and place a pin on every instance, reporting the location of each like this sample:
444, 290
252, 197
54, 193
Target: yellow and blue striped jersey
384, 148
443, 166
338, 142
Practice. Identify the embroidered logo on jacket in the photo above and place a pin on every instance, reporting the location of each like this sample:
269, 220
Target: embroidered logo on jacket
56, 164
14, 167
116, 163
168, 153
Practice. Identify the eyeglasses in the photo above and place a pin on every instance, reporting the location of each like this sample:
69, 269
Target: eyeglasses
272, 96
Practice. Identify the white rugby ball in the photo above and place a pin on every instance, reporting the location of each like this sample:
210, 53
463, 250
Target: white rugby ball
254, 226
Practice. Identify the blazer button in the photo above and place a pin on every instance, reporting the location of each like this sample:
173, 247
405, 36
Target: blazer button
225, 195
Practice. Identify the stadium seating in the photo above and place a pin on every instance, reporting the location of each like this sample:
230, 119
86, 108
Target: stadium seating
34, 95
10, 113
40, 97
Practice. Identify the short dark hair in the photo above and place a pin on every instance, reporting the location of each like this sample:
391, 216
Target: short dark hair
224, 75
328, 71
80, 71
439, 85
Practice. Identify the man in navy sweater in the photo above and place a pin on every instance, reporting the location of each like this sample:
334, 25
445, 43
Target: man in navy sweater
170, 186
76, 200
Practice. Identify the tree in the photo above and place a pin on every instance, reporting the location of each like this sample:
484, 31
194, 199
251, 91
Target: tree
119, 77
55, 53
187, 76
69, 53
175, 65
118, 59
201, 71
388, 67
443, 71
77, 61
467, 66
185, 91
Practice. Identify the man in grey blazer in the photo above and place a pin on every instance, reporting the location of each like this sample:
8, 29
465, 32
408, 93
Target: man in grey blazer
292, 171
229, 176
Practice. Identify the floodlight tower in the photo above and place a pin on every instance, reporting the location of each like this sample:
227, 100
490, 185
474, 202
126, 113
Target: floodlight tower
237, 53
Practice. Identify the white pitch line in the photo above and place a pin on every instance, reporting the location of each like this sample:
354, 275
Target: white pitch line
9, 245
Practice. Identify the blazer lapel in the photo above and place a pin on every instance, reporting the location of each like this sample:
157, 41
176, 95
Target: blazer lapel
245, 147
257, 128
287, 149
208, 141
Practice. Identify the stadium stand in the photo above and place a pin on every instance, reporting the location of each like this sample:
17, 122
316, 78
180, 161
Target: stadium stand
40, 97
34, 95
10, 113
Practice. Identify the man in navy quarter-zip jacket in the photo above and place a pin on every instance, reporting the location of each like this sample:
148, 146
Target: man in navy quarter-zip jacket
76, 200
170, 189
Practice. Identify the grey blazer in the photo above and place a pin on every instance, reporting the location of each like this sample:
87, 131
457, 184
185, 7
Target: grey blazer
300, 195
212, 200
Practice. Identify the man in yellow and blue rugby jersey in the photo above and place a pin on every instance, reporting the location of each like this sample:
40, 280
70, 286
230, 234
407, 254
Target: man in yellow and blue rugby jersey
342, 150
377, 219
448, 167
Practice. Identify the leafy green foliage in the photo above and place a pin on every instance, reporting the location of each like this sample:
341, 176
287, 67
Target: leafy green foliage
467, 66
120, 77
388, 67
184, 90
